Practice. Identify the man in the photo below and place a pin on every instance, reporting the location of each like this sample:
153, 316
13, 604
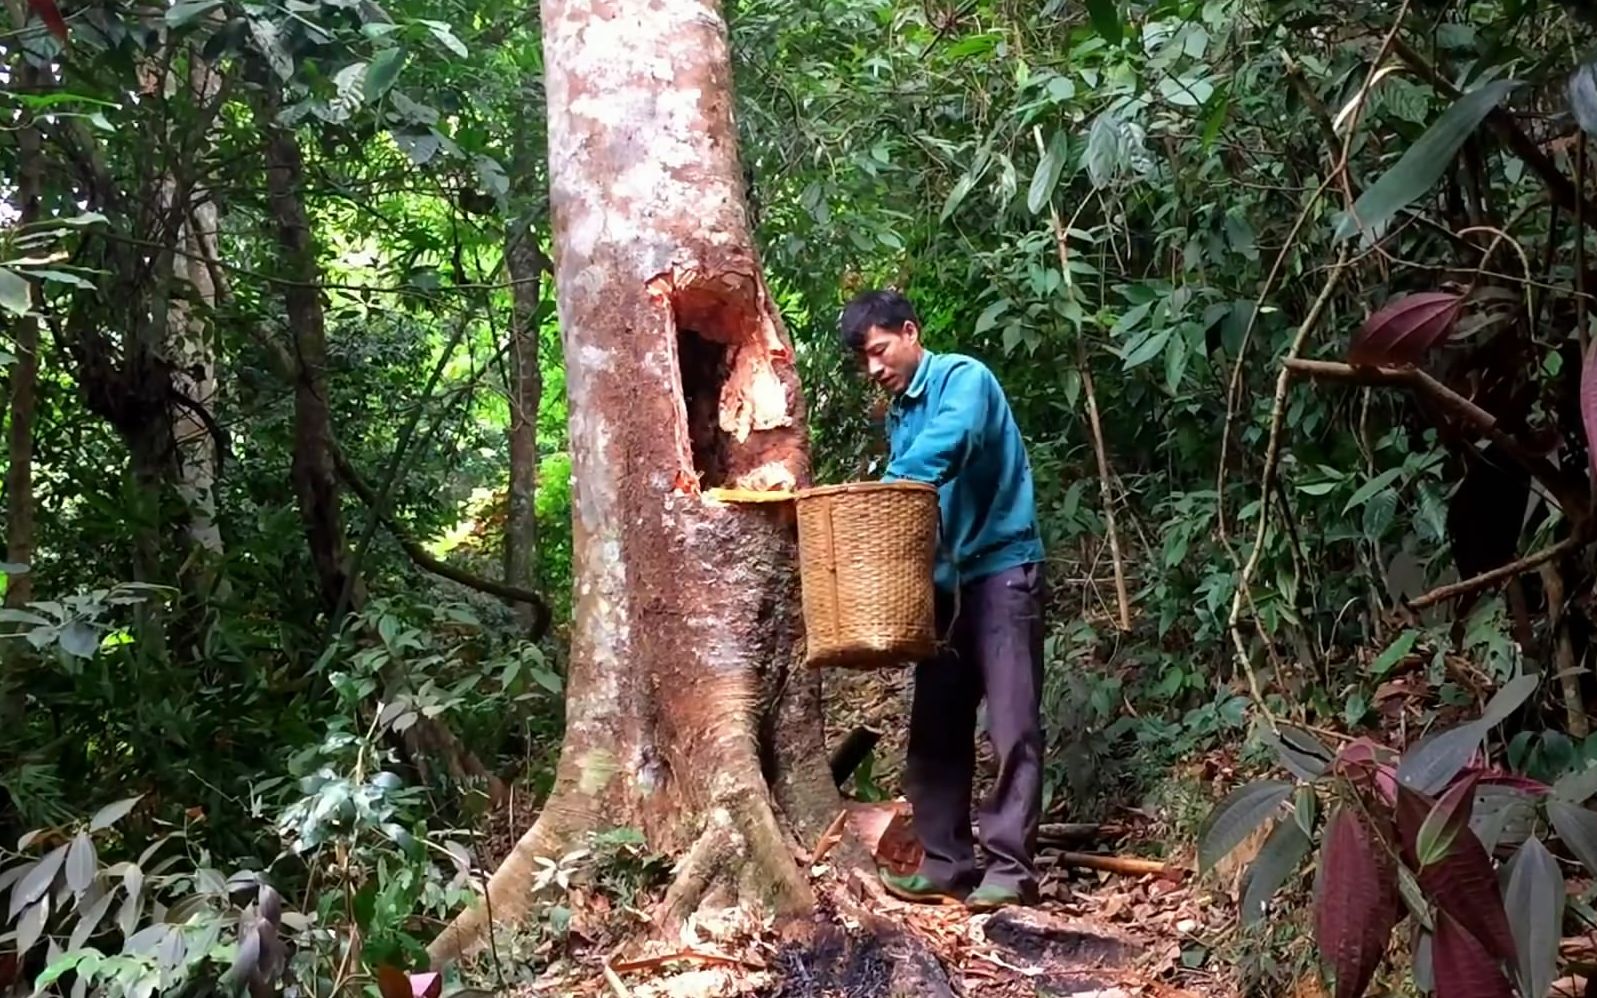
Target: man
949, 424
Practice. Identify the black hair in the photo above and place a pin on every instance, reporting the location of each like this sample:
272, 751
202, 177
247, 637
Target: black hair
883, 307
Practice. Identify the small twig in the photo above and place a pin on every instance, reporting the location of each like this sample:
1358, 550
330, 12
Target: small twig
614, 980
1100, 451
1272, 457
423, 559
1564, 650
1487, 579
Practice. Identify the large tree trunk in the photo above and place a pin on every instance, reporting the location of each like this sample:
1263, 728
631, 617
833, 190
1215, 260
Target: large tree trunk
24, 374
189, 346
689, 715
315, 469
524, 264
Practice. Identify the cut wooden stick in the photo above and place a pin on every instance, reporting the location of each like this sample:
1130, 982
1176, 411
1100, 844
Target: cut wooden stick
1131, 866
851, 751
1099, 450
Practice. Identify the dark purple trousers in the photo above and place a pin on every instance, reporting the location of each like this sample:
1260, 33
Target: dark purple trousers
994, 648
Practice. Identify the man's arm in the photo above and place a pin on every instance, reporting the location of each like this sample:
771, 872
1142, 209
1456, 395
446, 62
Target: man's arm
952, 434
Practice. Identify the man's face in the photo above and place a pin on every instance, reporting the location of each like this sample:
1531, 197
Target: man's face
891, 356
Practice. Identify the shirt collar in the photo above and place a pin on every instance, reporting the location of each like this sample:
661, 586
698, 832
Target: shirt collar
917, 384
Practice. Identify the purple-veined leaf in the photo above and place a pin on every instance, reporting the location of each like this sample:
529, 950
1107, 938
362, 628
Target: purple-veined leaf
1404, 330
1462, 882
1447, 817
1460, 965
1588, 403
1356, 902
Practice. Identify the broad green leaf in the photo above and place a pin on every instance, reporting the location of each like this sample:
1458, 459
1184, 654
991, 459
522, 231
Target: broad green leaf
383, 71
186, 11
1371, 487
1576, 786
1148, 349
1281, 855
1507, 700
1237, 817
11, 615
1577, 827
1436, 759
1395, 652
1105, 16
1105, 154
957, 195
1046, 178
446, 35
1424, 162
112, 813
1175, 363
79, 639
15, 294
1379, 513
82, 863
1534, 899
990, 315
31, 925
37, 880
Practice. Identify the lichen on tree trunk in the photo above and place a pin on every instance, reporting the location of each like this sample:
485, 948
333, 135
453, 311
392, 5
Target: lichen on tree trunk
689, 714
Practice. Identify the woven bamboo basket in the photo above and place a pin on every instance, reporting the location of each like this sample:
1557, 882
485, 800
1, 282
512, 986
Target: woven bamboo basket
867, 552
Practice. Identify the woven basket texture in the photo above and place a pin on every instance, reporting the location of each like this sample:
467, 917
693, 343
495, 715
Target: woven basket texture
867, 552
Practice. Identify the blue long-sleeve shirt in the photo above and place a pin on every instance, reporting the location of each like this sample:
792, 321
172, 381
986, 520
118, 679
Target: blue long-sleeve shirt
952, 428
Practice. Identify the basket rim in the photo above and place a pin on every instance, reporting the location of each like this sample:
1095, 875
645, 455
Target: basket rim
832, 490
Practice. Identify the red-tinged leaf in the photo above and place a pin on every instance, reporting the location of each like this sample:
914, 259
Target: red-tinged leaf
1588, 403
1356, 902
393, 982
429, 985
1462, 883
1448, 816
51, 16
1460, 965
1405, 329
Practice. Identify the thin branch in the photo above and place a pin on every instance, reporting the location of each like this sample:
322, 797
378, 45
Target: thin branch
1099, 449
1486, 580
1272, 458
427, 561
1567, 494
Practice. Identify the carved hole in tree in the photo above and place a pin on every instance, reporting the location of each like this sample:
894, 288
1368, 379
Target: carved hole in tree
735, 404
704, 367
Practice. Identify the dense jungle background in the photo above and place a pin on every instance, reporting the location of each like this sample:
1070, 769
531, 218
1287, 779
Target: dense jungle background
1290, 300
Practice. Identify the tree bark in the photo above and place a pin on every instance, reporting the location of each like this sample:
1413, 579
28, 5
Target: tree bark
524, 263
24, 374
315, 471
189, 347
688, 715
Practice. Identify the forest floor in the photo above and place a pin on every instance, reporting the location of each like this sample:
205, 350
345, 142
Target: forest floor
1097, 933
